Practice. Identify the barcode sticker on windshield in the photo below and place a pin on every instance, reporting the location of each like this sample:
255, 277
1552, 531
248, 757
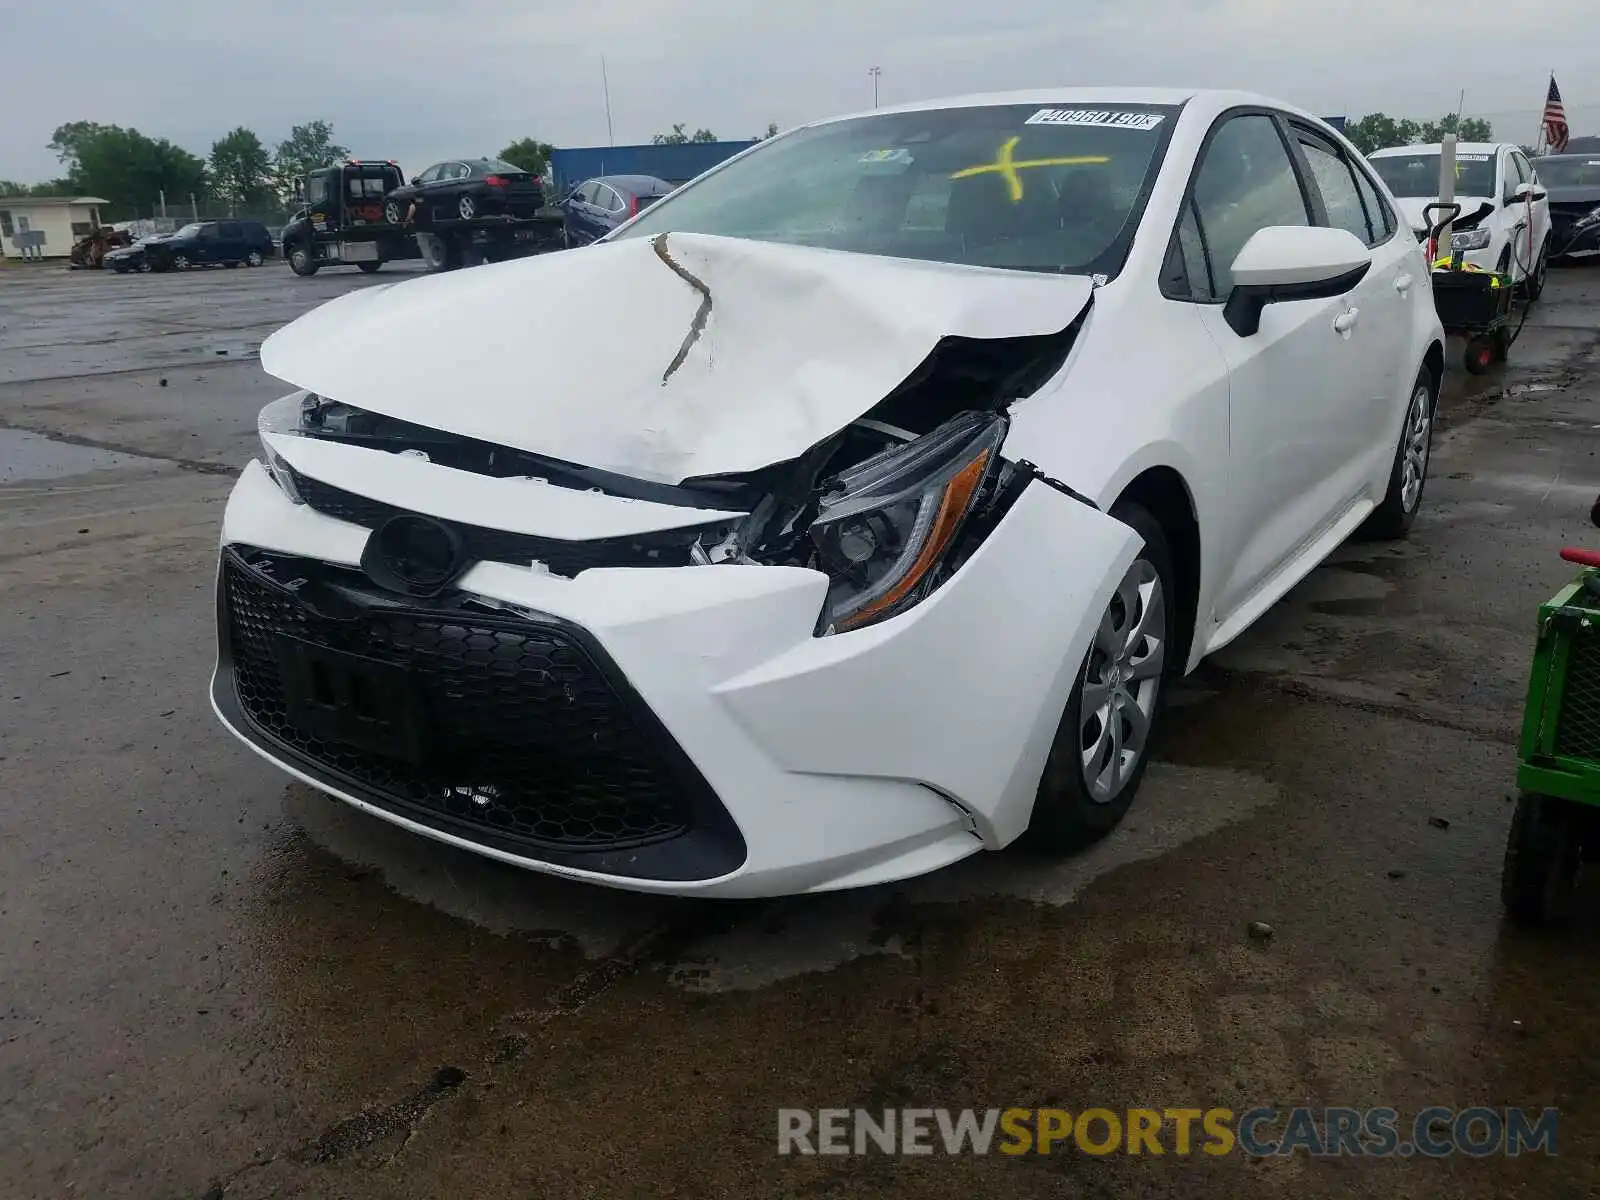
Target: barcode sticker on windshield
1472, 158
1096, 118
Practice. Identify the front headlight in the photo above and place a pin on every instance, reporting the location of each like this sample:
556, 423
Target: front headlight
280, 471
1472, 239
884, 527
282, 416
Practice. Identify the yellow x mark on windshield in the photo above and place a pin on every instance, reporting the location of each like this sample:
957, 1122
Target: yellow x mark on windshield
1007, 167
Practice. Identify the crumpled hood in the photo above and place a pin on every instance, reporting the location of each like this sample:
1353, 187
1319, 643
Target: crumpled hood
661, 358
1411, 207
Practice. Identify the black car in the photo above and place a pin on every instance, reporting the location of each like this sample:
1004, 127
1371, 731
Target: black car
1573, 182
464, 189
210, 243
132, 258
596, 207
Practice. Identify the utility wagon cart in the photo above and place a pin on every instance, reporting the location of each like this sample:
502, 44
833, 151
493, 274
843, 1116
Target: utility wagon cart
1480, 306
1556, 827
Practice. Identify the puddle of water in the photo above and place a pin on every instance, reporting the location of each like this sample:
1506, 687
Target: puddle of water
28, 456
1176, 805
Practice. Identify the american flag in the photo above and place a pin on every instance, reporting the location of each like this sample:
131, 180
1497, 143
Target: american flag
1555, 120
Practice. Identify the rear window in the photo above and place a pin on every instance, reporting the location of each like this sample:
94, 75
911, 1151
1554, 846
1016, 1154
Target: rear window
495, 167
646, 201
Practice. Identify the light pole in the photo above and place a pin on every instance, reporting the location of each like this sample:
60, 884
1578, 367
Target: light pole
875, 72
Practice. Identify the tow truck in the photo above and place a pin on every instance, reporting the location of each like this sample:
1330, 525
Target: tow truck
342, 223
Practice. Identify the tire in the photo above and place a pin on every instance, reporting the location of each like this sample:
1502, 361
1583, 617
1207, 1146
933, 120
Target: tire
1539, 876
367, 268
179, 262
300, 260
437, 253
1081, 797
253, 259
1393, 518
1478, 356
466, 208
393, 213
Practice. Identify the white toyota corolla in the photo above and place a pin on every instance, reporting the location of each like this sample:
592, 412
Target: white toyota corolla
842, 515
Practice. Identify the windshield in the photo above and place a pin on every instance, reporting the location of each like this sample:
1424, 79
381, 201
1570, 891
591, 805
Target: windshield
1416, 176
1016, 186
187, 231
1568, 172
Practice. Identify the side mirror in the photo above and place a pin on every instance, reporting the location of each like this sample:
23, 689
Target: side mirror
1292, 262
416, 181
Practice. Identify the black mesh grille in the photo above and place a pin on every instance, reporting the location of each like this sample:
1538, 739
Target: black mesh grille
1578, 734
667, 549
528, 737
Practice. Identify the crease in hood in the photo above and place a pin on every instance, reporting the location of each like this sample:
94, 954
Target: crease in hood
1411, 208
661, 358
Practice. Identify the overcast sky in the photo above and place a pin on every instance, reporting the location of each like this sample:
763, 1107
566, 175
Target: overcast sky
403, 79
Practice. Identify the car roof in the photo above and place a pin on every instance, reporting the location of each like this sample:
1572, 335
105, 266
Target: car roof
1438, 147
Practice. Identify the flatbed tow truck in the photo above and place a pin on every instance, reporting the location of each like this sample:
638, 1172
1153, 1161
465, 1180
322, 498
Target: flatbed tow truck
342, 223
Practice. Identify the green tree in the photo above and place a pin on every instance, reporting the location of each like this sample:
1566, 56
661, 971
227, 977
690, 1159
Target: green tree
532, 155
241, 168
307, 147
1376, 131
772, 132
678, 137
125, 167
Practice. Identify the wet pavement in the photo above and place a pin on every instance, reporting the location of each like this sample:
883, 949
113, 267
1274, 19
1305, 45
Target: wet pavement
214, 983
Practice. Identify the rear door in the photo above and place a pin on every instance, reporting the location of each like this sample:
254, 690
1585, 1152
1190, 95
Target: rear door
230, 242
1378, 310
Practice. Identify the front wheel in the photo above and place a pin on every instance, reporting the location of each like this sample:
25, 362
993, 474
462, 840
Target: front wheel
467, 207
392, 212
1102, 745
1409, 474
180, 262
300, 260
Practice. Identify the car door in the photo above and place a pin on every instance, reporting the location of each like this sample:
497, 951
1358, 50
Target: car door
1365, 419
1538, 204
206, 245
1289, 383
230, 242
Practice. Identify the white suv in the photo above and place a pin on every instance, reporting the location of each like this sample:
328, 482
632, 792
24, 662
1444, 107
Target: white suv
1513, 237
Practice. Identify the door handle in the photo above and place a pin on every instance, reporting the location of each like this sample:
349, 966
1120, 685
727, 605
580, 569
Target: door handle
1345, 322
1402, 284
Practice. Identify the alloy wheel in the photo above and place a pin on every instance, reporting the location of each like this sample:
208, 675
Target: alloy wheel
1122, 681
180, 262
253, 259
1416, 445
467, 207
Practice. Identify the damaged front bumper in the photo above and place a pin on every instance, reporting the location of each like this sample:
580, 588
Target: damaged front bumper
659, 728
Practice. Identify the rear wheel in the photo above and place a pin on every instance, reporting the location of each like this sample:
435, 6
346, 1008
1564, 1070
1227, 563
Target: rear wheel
392, 212
1103, 743
1409, 475
1478, 356
1540, 873
253, 259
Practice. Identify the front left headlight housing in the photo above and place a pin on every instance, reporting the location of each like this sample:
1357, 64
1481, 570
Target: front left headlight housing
885, 528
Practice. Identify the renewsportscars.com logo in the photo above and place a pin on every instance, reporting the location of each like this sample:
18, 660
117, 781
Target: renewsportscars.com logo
1179, 1132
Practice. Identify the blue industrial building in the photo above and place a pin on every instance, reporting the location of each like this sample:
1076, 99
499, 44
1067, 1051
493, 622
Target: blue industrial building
677, 163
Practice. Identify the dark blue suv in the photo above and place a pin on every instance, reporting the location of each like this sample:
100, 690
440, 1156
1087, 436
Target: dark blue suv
595, 208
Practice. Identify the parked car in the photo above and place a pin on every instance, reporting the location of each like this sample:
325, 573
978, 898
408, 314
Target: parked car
132, 258
209, 244
1573, 183
597, 206
917, 454
463, 190
1495, 179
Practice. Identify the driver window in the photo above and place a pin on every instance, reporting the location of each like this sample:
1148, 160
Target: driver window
1245, 182
1512, 177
